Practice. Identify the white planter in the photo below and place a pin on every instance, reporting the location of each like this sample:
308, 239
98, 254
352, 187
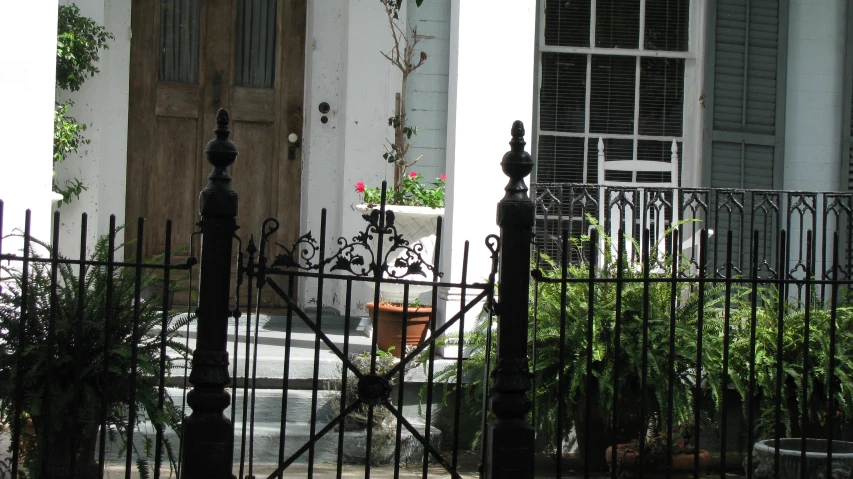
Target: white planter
417, 225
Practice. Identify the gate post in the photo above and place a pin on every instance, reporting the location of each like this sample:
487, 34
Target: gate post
208, 439
509, 437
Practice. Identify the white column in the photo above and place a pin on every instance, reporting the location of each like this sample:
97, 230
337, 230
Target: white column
814, 99
491, 85
29, 32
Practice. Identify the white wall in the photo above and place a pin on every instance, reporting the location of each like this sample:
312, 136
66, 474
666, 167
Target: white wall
101, 104
491, 85
29, 37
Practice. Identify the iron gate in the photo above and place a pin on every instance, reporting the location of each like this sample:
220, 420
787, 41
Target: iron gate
381, 257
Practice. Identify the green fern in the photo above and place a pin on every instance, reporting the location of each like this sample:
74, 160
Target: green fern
78, 362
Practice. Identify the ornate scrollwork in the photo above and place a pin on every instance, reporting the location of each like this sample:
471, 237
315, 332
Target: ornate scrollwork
300, 255
379, 247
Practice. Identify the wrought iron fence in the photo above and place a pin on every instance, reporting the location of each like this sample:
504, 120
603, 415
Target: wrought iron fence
87, 345
692, 329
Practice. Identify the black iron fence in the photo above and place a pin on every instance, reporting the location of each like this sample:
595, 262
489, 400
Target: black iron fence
687, 330
692, 330
86, 347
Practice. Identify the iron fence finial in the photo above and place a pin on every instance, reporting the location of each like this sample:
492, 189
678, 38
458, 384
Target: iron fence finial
516, 164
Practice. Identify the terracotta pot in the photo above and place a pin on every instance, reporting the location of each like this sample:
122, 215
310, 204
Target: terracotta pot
628, 427
389, 325
628, 465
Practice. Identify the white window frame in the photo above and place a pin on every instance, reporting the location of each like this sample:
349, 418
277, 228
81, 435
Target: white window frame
694, 74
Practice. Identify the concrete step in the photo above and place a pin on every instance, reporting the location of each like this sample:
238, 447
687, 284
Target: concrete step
272, 336
267, 439
300, 403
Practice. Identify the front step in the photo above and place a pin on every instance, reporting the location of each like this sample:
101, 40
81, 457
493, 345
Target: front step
268, 404
266, 443
268, 396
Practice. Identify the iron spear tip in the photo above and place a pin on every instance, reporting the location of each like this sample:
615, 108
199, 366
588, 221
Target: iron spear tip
518, 129
222, 118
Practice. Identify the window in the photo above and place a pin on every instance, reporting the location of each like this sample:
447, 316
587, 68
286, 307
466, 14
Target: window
179, 41
255, 51
611, 69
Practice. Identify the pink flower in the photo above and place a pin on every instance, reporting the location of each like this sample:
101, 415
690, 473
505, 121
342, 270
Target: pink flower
359, 187
413, 175
443, 177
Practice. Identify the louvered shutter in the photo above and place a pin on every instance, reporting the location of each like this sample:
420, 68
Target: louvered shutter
745, 101
745, 94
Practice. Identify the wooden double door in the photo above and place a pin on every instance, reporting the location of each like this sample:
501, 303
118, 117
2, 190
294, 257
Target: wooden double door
188, 59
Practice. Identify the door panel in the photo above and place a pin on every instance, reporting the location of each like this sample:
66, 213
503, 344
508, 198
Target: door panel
253, 175
188, 59
176, 100
254, 104
176, 153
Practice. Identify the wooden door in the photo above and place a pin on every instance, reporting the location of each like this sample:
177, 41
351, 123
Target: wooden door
188, 59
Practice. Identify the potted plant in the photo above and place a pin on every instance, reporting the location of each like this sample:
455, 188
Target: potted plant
72, 367
822, 398
414, 203
660, 454
391, 319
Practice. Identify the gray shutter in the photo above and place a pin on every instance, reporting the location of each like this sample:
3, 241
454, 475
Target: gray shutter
745, 93
745, 125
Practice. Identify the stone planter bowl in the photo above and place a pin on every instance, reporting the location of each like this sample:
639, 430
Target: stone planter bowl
764, 453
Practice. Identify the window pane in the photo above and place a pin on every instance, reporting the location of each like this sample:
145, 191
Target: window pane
666, 25
255, 43
661, 96
612, 94
561, 97
617, 23
559, 160
567, 23
179, 26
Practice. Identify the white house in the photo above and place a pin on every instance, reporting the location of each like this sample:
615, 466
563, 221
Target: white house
756, 93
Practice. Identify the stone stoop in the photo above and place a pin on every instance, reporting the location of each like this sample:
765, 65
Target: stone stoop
268, 397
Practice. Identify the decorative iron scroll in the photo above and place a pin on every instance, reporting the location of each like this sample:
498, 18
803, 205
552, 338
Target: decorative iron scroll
398, 258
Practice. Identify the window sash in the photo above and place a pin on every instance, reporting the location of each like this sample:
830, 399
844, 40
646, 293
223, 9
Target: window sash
591, 138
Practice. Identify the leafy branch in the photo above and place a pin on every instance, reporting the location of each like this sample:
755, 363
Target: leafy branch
78, 43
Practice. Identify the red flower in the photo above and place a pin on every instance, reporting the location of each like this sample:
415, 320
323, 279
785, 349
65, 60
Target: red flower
359, 187
443, 177
413, 175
